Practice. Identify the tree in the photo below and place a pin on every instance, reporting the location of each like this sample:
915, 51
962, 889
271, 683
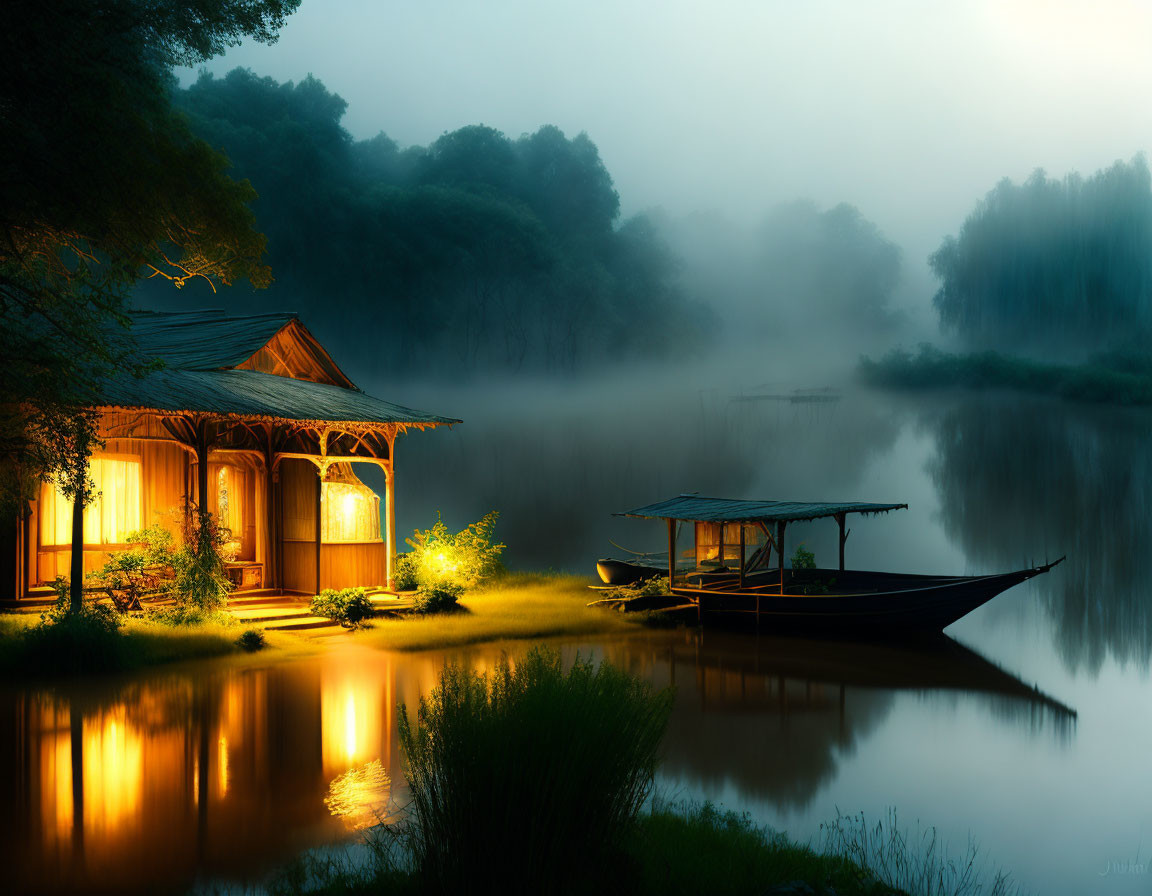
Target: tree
1055, 264
102, 183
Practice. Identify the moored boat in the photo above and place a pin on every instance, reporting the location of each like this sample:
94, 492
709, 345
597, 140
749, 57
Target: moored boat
730, 574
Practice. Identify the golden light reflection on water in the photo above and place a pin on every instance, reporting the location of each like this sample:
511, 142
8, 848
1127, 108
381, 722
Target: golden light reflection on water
356, 724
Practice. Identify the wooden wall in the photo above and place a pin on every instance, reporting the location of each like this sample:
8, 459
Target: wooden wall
299, 480
341, 565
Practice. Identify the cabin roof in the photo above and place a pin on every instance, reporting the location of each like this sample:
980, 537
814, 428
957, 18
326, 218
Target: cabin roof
204, 340
249, 393
201, 350
695, 508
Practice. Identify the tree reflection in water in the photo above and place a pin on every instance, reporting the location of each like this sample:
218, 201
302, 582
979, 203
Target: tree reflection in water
1023, 479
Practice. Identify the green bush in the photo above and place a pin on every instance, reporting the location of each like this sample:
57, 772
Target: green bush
803, 558
350, 607
200, 577
251, 640
443, 597
64, 641
527, 779
404, 572
466, 558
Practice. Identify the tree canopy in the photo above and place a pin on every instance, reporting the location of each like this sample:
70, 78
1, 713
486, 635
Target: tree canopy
101, 183
1053, 263
477, 252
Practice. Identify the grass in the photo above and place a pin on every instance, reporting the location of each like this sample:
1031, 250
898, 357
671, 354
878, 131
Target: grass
517, 606
529, 779
1113, 378
138, 644
690, 849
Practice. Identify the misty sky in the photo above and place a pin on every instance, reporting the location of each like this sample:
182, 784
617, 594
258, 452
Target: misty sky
909, 110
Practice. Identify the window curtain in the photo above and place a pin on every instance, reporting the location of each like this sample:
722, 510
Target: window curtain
109, 518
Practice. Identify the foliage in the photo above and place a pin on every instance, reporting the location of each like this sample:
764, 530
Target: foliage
1052, 263
525, 778
442, 597
116, 189
803, 558
689, 848
404, 572
917, 862
1123, 378
464, 559
350, 607
144, 569
68, 640
487, 252
251, 640
186, 614
201, 580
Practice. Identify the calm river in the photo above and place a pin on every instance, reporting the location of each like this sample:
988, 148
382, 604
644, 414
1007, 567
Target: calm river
1029, 728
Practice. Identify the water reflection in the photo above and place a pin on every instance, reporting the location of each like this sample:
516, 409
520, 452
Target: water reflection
1020, 480
158, 782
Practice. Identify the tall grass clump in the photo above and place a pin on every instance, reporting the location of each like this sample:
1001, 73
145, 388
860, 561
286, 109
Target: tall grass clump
527, 778
917, 862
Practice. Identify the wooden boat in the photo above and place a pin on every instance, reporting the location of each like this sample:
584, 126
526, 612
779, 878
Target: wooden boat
629, 572
725, 582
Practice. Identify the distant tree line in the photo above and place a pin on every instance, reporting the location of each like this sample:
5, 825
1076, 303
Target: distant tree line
477, 252
1053, 264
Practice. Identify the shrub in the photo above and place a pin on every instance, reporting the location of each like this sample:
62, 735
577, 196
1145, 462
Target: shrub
251, 640
440, 598
803, 558
404, 572
465, 558
350, 607
200, 576
526, 778
143, 570
64, 641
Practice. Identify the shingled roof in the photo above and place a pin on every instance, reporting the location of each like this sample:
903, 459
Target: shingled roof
200, 352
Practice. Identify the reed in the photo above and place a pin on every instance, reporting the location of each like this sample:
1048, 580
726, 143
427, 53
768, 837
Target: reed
527, 779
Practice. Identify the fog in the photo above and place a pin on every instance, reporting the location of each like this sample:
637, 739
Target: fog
640, 250
908, 111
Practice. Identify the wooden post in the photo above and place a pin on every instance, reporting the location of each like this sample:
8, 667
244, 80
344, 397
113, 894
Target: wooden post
843, 538
780, 550
202, 466
671, 553
390, 520
271, 536
319, 521
742, 547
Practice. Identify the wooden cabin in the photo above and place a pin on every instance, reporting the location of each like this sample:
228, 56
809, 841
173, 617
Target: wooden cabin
250, 418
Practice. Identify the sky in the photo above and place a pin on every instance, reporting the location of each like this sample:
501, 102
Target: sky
911, 111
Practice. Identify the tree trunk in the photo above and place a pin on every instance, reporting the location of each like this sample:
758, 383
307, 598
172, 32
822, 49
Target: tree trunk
76, 567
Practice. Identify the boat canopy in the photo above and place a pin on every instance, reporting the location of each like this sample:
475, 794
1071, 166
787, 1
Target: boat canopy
695, 508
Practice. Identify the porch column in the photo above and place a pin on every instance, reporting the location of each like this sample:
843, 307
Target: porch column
390, 521
319, 526
202, 465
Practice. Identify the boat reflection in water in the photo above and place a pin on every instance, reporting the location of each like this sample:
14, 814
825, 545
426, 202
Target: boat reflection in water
226, 773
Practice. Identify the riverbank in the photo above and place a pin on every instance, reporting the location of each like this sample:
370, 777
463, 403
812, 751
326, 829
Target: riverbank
1106, 379
518, 606
673, 850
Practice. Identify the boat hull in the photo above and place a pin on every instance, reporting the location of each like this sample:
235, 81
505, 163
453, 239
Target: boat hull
871, 603
627, 572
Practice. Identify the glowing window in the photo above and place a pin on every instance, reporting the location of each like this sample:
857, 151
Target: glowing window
113, 513
349, 510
